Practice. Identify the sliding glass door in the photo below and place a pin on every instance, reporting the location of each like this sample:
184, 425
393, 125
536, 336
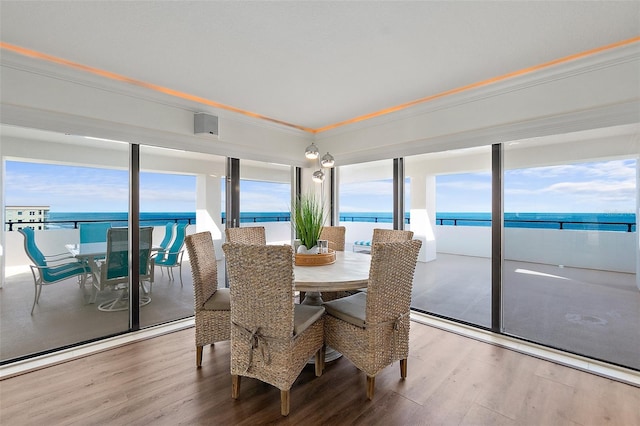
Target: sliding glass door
450, 211
571, 246
365, 201
265, 199
180, 194
57, 184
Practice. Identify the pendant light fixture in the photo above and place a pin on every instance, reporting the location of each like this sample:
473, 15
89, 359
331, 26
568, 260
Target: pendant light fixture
327, 161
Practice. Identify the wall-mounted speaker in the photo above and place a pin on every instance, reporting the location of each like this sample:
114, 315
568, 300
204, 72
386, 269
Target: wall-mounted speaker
205, 124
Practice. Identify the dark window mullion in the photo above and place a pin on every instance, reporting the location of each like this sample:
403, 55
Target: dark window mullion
134, 237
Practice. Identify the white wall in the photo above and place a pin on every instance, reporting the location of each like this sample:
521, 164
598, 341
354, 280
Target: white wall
609, 251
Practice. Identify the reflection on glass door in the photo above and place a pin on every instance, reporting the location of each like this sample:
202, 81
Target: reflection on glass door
571, 248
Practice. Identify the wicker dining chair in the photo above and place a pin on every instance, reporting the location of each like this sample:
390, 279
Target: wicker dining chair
211, 304
390, 235
335, 236
246, 235
271, 337
372, 329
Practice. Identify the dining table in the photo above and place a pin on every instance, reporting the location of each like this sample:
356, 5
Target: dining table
92, 251
350, 271
88, 252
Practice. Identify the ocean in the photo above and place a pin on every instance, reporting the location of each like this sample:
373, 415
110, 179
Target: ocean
623, 222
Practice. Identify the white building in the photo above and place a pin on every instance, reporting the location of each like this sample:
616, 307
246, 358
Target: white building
25, 214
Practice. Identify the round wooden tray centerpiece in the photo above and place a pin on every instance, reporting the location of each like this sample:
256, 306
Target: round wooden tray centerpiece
319, 259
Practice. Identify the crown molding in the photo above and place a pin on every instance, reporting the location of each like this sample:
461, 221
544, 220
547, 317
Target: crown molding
43, 68
624, 113
602, 60
21, 116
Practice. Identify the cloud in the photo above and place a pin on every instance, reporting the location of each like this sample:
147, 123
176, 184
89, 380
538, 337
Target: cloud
614, 169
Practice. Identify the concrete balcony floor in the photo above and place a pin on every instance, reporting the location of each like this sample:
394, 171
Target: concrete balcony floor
588, 312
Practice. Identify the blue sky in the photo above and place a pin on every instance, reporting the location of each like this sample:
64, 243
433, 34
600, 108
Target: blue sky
587, 187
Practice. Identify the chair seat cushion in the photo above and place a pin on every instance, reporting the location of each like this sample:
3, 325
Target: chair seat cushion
351, 309
304, 316
219, 301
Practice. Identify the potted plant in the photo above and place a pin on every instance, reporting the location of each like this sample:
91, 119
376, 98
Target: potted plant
307, 219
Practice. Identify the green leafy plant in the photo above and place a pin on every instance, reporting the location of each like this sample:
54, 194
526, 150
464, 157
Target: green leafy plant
307, 218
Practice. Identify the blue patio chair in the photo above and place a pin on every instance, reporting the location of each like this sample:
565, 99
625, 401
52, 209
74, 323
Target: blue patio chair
172, 257
50, 269
169, 230
94, 232
114, 271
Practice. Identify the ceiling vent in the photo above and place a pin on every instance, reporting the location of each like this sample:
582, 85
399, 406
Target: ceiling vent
205, 124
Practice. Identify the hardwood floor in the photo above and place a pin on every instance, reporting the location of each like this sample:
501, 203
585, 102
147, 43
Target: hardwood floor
452, 380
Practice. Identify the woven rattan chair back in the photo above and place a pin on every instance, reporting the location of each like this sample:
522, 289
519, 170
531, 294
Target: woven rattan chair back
212, 325
335, 236
390, 236
391, 281
263, 343
261, 283
384, 336
204, 266
246, 235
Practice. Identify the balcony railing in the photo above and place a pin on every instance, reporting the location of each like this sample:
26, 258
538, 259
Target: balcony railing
541, 223
73, 224
285, 217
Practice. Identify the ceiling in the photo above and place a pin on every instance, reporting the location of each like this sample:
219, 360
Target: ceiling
312, 64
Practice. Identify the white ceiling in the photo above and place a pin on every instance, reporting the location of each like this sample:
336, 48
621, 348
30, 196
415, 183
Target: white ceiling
315, 63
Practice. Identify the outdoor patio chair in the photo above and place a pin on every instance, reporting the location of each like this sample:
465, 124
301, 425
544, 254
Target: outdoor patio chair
271, 338
113, 273
171, 257
169, 230
211, 304
94, 232
372, 329
50, 269
246, 235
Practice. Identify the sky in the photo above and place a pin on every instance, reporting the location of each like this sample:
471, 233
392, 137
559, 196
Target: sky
602, 187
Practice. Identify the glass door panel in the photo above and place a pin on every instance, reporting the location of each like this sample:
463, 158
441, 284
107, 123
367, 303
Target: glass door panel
365, 201
265, 199
571, 245
56, 184
180, 194
450, 199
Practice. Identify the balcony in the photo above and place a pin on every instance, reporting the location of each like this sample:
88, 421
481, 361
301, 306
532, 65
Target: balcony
591, 312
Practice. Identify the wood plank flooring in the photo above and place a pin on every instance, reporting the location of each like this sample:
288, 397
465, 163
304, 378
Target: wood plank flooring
452, 380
